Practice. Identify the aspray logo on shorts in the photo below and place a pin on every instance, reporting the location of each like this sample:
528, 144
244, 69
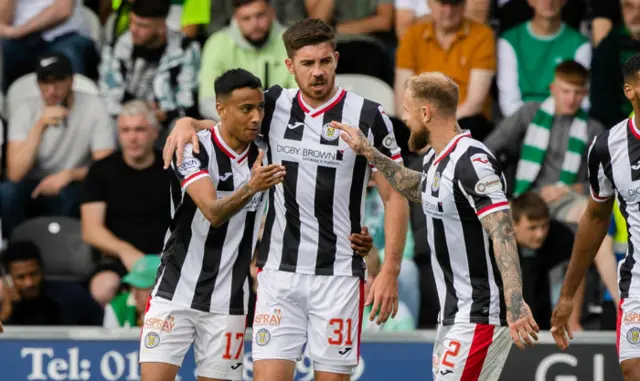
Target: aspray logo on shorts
631, 318
325, 156
164, 325
268, 320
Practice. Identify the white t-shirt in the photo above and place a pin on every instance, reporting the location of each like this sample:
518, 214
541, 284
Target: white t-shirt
420, 7
27, 9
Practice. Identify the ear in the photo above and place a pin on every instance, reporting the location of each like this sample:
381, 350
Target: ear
336, 55
628, 91
220, 109
289, 63
425, 113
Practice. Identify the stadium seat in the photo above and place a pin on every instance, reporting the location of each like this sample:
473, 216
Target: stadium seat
95, 29
26, 86
369, 87
65, 255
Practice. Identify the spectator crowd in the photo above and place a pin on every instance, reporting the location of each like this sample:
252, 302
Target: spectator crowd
92, 88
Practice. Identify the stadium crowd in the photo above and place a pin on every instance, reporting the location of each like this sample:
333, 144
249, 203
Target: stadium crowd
92, 89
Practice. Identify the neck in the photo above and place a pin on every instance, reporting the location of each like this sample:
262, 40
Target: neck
140, 163
544, 26
443, 135
236, 145
319, 102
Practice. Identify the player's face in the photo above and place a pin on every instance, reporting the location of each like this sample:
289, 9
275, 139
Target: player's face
413, 116
254, 20
55, 92
631, 16
568, 96
314, 67
243, 111
531, 234
547, 8
137, 136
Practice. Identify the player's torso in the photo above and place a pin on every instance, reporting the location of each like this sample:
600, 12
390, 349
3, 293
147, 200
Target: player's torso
323, 190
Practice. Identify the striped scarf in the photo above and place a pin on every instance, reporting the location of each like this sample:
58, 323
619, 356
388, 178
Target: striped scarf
536, 142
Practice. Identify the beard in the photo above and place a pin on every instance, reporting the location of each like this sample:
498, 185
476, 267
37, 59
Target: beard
418, 139
313, 94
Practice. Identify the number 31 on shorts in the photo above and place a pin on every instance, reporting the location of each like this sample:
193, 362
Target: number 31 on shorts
340, 331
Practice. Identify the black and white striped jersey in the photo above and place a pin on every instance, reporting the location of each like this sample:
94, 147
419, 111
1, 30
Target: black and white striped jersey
461, 185
614, 169
205, 267
320, 203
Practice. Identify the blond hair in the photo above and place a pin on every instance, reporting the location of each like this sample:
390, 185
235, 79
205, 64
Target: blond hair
437, 89
137, 107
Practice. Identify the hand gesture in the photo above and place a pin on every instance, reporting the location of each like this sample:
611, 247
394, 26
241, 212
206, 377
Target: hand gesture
53, 115
384, 296
522, 326
183, 133
361, 243
264, 177
9, 296
354, 138
52, 184
560, 327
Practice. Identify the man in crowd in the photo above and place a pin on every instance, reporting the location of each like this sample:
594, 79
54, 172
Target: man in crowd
28, 299
253, 42
462, 49
125, 207
52, 139
547, 141
127, 309
152, 63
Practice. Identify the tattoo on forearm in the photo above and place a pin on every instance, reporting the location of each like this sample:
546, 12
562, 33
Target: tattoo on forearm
226, 207
402, 179
499, 226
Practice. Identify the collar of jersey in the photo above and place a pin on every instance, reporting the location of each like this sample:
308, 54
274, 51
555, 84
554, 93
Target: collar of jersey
218, 141
328, 105
450, 146
634, 128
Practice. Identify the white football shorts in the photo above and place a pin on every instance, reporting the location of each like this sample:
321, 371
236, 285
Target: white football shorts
467, 351
169, 331
323, 312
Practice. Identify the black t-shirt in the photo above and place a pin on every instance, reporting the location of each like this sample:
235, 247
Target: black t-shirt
138, 209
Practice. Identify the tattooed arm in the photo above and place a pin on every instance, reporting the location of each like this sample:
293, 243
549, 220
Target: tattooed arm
499, 226
403, 180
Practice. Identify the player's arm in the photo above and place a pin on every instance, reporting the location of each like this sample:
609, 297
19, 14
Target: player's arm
195, 179
478, 176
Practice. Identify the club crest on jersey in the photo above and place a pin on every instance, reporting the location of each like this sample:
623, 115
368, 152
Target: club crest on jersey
633, 335
390, 142
263, 336
329, 133
435, 185
151, 340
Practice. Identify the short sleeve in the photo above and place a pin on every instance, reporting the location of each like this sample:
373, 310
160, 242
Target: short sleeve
598, 159
485, 53
21, 122
194, 166
405, 58
383, 137
94, 187
481, 180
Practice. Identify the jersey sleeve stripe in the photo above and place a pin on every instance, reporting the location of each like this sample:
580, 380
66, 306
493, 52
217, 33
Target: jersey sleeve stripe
202, 173
493, 208
597, 198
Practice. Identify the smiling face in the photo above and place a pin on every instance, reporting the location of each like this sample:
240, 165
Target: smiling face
242, 111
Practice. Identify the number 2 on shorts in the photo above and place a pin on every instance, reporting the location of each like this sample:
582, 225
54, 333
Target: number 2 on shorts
338, 327
239, 338
454, 348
